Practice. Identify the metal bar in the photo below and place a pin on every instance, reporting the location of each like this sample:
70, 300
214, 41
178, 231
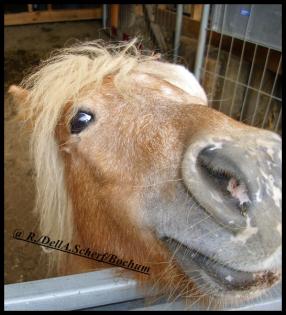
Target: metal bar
226, 71
179, 20
206, 59
218, 52
202, 41
278, 120
272, 92
240, 63
104, 290
248, 83
71, 292
104, 16
140, 305
260, 87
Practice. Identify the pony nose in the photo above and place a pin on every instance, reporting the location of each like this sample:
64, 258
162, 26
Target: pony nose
230, 179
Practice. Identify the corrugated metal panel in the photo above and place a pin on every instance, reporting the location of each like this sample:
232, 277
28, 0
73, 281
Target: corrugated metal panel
264, 23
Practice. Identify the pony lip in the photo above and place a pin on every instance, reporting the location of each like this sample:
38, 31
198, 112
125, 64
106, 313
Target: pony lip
225, 277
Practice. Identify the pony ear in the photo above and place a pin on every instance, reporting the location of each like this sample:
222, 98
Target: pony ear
20, 97
183, 79
179, 78
19, 94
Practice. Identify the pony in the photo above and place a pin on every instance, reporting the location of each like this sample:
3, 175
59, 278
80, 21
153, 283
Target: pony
130, 160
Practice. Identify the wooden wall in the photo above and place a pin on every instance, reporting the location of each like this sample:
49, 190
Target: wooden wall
31, 14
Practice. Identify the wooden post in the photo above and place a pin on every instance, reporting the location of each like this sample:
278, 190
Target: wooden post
114, 18
139, 9
114, 15
30, 8
49, 7
162, 6
155, 28
197, 13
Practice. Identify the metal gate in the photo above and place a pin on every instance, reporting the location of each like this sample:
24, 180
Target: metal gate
242, 69
237, 55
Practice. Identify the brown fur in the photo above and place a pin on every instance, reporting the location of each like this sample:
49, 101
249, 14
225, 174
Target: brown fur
105, 197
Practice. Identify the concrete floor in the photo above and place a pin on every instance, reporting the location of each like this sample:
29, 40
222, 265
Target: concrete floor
24, 47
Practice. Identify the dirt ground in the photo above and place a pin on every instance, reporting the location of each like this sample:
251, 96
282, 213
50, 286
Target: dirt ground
24, 47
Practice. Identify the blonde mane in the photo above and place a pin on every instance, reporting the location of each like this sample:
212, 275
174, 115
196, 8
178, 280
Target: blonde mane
57, 81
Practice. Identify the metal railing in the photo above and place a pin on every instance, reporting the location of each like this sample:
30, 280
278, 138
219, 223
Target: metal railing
104, 290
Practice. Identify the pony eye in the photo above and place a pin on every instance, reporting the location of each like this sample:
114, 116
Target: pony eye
80, 121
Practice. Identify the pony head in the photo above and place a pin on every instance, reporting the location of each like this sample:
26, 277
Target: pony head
130, 160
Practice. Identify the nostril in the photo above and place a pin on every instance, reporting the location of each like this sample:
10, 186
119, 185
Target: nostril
234, 180
240, 192
214, 178
224, 177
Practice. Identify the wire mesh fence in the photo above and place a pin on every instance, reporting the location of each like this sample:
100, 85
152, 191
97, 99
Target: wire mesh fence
242, 72
242, 59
